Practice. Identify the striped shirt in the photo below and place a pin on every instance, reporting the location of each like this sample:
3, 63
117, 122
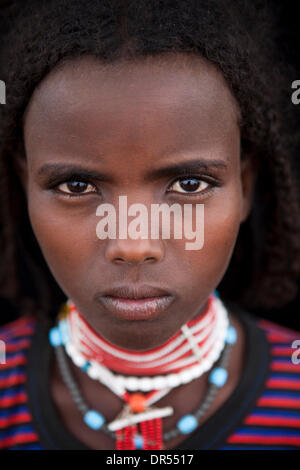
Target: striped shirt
263, 412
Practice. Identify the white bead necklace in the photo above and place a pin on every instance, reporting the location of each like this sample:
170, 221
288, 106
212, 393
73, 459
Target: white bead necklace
120, 383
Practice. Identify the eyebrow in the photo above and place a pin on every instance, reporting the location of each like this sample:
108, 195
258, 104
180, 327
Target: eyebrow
185, 167
61, 169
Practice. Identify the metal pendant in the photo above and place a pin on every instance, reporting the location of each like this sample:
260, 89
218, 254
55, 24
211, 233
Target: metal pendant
127, 418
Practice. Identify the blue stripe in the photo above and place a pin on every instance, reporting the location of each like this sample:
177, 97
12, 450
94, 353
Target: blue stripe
15, 354
250, 447
283, 413
19, 429
15, 370
281, 394
26, 447
11, 411
12, 391
263, 431
282, 360
18, 339
294, 376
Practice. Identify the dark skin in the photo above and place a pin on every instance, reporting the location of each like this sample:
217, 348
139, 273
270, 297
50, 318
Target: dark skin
123, 121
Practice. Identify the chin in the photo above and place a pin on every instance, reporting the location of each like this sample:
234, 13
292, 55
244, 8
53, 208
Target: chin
137, 341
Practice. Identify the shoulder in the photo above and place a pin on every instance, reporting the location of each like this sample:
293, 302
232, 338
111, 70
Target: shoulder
281, 354
276, 331
15, 340
284, 346
284, 342
272, 420
275, 334
15, 417
23, 326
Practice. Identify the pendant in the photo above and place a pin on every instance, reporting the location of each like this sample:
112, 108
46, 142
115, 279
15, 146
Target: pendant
127, 418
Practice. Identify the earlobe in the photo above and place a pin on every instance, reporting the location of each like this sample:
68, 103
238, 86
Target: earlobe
249, 168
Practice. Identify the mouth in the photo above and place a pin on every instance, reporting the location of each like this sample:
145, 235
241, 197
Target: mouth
132, 302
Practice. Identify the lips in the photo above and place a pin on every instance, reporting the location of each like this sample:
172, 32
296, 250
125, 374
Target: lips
136, 302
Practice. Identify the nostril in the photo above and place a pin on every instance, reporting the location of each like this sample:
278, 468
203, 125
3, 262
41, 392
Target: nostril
119, 260
150, 259
133, 251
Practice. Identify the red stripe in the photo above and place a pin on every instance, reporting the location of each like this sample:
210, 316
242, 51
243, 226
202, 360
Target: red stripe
250, 439
24, 320
14, 361
284, 383
13, 379
115, 365
285, 351
285, 366
274, 327
274, 337
13, 333
13, 347
19, 418
20, 397
273, 421
21, 438
277, 402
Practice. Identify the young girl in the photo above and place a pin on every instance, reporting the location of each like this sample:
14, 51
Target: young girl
127, 343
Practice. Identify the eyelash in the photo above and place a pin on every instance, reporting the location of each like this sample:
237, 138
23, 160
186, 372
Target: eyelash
77, 178
73, 180
212, 183
54, 185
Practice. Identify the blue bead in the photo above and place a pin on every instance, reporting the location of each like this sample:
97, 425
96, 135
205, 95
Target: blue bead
218, 376
187, 424
55, 337
138, 442
216, 293
231, 335
93, 419
64, 331
85, 366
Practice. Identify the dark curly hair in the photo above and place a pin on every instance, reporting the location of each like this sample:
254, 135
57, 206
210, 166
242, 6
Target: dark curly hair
235, 35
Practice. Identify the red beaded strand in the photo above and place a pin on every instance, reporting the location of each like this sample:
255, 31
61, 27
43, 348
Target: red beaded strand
119, 439
144, 433
125, 438
158, 433
151, 435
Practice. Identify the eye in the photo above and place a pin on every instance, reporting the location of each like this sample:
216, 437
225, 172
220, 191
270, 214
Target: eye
189, 184
76, 187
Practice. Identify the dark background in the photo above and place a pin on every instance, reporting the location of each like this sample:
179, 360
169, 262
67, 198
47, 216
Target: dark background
289, 46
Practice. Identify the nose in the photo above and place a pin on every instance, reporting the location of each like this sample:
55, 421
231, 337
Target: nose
134, 251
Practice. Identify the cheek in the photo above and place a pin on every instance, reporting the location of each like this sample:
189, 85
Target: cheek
221, 226
221, 231
66, 240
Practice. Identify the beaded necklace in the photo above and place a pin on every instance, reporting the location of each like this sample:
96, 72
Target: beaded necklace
139, 425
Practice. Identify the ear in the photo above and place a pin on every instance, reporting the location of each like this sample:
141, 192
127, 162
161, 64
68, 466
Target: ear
249, 169
20, 167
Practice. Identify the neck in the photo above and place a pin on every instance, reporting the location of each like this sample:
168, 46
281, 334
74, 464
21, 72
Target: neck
189, 346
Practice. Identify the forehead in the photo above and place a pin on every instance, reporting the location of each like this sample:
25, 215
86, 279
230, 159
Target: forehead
165, 101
